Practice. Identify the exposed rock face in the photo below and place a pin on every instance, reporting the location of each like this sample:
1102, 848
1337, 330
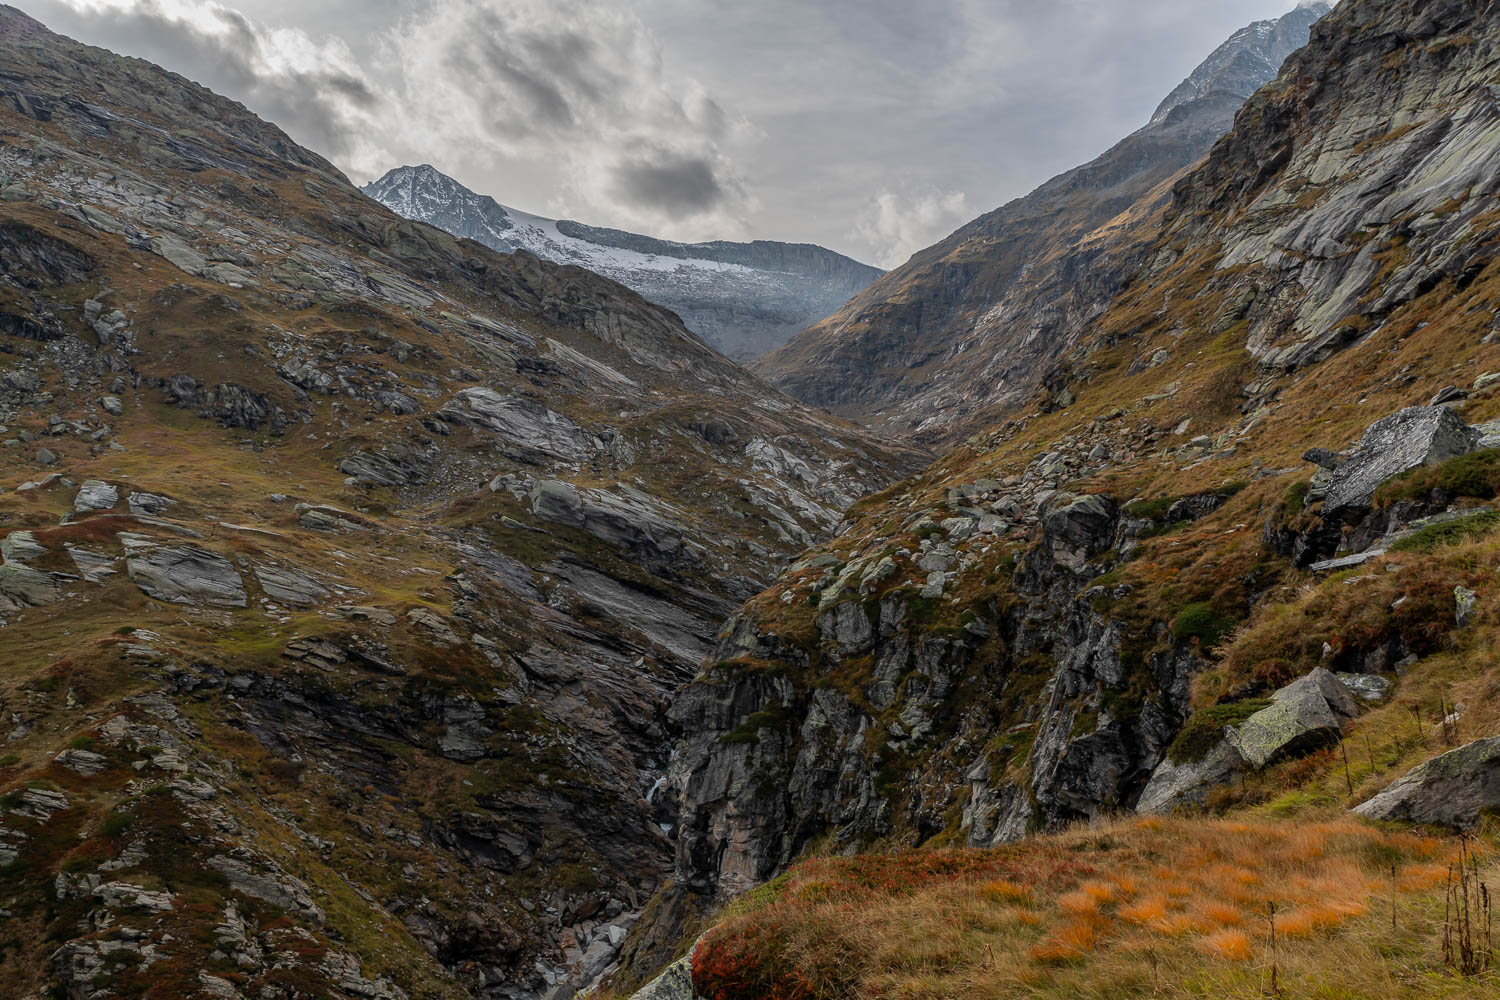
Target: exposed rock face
976, 321
744, 298
675, 983
1316, 280
531, 432
27, 587
96, 495
290, 586
1454, 790
771, 760
1176, 786
20, 547
1403, 441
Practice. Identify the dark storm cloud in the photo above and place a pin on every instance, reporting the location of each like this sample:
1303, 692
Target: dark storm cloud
679, 187
581, 81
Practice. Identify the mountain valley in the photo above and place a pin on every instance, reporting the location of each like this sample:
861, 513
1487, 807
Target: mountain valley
391, 612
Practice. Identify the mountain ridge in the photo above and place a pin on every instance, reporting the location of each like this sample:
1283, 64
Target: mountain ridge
970, 324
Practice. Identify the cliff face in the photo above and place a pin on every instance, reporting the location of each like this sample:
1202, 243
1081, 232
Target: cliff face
348, 568
1335, 201
744, 298
1016, 639
971, 323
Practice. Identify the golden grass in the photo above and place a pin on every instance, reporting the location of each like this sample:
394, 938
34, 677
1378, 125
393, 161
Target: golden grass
1122, 909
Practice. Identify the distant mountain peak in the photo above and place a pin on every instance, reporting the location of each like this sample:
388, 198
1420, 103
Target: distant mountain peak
1249, 58
744, 298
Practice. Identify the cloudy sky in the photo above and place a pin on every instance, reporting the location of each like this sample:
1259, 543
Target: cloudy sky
874, 127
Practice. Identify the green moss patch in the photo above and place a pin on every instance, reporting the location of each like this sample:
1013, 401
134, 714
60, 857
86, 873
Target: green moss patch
1476, 475
1206, 728
1200, 621
1449, 533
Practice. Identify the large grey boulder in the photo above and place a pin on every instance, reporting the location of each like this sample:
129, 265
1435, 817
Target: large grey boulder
1306, 715
1173, 786
1398, 443
95, 566
186, 575
149, 503
382, 469
532, 432
1452, 790
27, 587
1079, 530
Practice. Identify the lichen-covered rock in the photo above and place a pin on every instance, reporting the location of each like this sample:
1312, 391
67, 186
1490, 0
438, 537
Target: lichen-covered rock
1453, 790
1306, 715
1395, 444
675, 983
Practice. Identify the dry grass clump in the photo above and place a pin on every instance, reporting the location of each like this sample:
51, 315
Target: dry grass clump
1141, 907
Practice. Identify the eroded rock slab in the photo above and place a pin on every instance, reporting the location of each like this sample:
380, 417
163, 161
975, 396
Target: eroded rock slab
96, 495
186, 575
31, 587
1305, 715
289, 586
533, 432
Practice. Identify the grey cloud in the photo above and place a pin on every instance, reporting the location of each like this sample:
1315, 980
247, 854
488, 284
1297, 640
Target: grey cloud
581, 82
323, 105
869, 116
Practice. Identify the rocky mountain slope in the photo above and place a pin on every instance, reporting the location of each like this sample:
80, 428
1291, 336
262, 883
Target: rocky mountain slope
348, 567
971, 323
1249, 519
744, 298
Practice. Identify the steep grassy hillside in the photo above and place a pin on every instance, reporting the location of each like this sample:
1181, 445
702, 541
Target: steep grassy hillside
1242, 534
